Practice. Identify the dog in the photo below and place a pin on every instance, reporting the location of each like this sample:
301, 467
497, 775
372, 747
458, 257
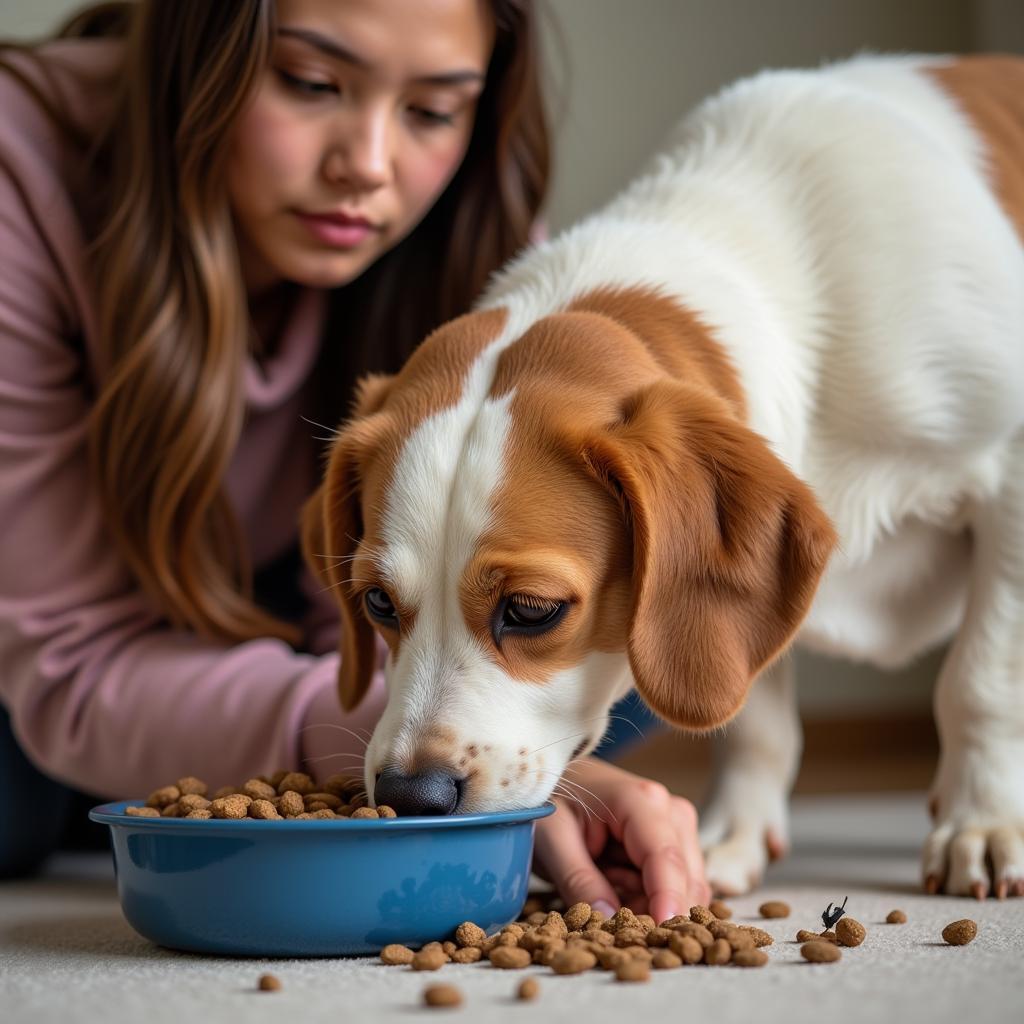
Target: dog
771, 394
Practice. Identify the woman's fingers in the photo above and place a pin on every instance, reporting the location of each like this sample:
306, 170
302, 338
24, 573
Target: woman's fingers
686, 823
561, 847
661, 844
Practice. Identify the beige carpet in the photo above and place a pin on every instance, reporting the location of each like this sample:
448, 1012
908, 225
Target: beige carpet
66, 953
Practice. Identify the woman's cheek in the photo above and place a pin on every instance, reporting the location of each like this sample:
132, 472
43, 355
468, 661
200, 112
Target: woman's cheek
268, 154
434, 172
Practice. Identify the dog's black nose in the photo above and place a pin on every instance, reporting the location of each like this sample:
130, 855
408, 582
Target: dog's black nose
430, 792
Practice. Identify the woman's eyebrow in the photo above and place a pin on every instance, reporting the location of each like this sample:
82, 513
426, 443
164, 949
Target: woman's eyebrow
334, 49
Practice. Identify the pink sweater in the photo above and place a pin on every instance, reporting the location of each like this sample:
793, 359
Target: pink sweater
103, 694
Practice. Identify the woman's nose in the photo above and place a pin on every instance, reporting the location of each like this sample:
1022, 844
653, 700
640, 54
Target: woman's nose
361, 158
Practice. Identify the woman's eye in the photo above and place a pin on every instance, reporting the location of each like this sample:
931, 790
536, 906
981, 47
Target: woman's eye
522, 615
380, 607
432, 117
306, 86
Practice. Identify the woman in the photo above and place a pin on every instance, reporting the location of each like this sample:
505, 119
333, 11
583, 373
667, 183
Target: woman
216, 217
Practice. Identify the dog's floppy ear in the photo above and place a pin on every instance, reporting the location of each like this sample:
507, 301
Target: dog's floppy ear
728, 547
331, 528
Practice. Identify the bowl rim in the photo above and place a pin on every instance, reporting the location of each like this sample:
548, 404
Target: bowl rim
113, 814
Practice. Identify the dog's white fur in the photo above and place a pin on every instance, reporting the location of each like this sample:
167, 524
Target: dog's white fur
836, 230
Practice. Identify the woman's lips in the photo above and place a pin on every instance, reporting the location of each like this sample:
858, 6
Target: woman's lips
336, 230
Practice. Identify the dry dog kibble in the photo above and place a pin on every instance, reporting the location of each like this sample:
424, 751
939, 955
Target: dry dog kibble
687, 948
396, 953
510, 958
895, 917
528, 989
142, 812
656, 937
850, 932
959, 933
469, 934
719, 952
805, 936
665, 960
697, 931
738, 940
774, 908
632, 970
546, 954
828, 936
577, 917
759, 935
629, 937
573, 961
720, 910
193, 802
191, 786
622, 918
383, 811
235, 806
290, 804
429, 959
556, 923
749, 958
298, 782
224, 791
365, 812
442, 995
466, 955
702, 915
269, 983
821, 952
264, 810
259, 790
163, 796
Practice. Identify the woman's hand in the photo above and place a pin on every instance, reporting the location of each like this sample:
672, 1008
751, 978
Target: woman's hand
633, 844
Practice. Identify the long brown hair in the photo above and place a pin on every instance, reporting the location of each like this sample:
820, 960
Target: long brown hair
174, 328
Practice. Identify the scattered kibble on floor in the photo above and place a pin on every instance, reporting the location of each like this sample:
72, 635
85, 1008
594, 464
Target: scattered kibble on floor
959, 933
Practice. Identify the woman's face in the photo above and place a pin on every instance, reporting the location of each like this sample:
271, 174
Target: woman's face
358, 124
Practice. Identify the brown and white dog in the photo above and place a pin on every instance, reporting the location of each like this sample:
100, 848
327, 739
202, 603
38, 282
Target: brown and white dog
773, 391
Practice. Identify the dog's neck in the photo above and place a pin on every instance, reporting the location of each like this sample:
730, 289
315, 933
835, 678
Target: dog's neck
715, 290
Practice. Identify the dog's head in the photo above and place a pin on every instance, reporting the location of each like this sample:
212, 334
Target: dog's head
535, 518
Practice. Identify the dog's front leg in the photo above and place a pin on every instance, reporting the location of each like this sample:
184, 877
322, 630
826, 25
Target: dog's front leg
977, 798
746, 820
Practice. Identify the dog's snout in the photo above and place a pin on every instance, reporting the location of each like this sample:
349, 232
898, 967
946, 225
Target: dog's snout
433, 792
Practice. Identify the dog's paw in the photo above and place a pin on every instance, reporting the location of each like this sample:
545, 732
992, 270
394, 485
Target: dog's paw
974, 860
977, 803
739, 838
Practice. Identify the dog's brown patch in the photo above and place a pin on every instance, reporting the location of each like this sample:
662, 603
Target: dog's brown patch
989, 89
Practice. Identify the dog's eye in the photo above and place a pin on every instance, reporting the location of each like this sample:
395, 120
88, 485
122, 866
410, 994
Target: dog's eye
379, 607
523, 616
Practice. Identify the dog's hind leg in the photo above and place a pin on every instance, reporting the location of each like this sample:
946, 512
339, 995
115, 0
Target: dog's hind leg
977, 797
746, 821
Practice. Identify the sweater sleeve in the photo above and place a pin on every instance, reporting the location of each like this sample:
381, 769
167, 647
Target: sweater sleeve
102, 693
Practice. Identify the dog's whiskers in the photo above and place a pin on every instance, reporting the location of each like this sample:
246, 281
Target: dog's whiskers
334, 725
562, 781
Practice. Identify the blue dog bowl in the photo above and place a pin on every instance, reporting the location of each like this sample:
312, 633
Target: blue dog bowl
317, 887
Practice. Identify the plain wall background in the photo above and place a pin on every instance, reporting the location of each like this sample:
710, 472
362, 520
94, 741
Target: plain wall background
621, 72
